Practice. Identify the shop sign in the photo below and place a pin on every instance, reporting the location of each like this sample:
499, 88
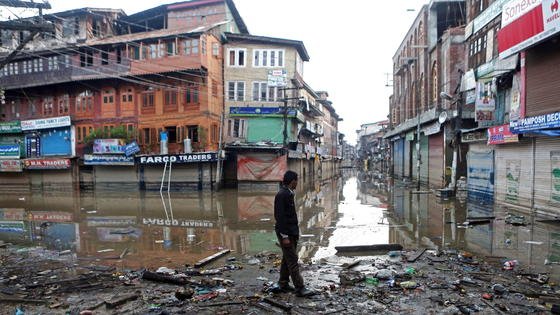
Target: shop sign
10, 166
277, 77
546, 121
485, 95
108, 146
10, 127
48, 216
527, 22
260, 111
46, 123
91, 159
131, 148
295, 154
178, 158
468, 81
475, 136
488, 15
12, 226
111, 221
501, 135
178, 222
432, 129
410, 136
9, 151
47, 164
12, 214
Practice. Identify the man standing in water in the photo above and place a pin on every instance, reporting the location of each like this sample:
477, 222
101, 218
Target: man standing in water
287, 231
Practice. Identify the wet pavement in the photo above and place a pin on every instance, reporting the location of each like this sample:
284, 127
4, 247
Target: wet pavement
102, 241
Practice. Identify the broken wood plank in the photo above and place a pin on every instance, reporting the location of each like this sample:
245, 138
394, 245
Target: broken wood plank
437, 258
210, 259
124, 252
365, 248
121, 300
351, 265
414, 256
159, 277
220, 303
20, 300
265, 307
284, 306
492, 307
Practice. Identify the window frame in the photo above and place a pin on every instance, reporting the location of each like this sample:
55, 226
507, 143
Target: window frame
236, 58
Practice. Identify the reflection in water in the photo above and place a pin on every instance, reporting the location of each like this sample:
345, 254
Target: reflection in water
173, 229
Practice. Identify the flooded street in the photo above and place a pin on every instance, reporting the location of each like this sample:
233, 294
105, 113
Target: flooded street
182, 228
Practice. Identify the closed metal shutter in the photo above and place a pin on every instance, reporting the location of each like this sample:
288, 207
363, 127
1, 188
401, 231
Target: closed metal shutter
480, 174
414, 160
407, 145
547, 174
514, 173
424, 167
436, 165
543, 86
398, 154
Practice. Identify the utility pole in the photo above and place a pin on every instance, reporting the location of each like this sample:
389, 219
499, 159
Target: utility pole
285, 115
24, 25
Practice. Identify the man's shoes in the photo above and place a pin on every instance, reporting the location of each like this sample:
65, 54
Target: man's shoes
303, 292
286, 288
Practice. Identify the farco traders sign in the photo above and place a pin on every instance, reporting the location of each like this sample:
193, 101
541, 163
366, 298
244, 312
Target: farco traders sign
45, 123
527, 22
178, 158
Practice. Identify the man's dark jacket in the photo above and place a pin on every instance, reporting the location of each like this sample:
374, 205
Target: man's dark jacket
285, 213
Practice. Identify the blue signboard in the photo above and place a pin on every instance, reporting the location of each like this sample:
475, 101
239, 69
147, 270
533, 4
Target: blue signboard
546, 121
131, 148
256, 111
9, 151
95, 159
163, 136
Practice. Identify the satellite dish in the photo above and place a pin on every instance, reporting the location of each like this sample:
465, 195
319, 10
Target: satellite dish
442, 117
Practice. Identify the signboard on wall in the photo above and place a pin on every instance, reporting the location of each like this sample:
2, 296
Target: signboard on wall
9, 151
108, 146
501, 135
47, 164
258, 111
545, 121
50, 216
91, 159
45, 123
475, 136
178, 158
10, 127
131, 148
277, 78
7, 166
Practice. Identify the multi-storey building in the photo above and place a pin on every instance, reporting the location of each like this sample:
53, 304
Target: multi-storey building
263, 76
428, 62
154, 71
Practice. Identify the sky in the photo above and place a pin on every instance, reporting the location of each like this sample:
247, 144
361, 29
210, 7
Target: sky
350, 43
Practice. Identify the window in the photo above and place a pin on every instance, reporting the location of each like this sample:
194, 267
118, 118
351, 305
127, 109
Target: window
192, 132
86, 59
263, 93
203, 45
236, 128
130, 129
48, 106
153, 51
127, 96
171, 134
135, 52
214, 133
104, 57
214, 88
146, 139
107, 129
236, 91
52, 63
191, 94
268, 58
84, 102
170, 98
108, 96
190, 47
64, 104
171, 48
148, 98
76, 26
119, 55
236, 57
215, 49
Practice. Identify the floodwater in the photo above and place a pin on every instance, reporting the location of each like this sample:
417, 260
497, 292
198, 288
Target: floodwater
148, 229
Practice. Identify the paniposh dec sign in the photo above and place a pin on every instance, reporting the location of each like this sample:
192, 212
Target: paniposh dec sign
501, 135
178, 158
45, 123
47, 164
527, 22
10, 127
546, 121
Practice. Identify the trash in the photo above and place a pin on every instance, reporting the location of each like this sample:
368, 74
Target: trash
371, 280
533, 242
390, 283
350, 277
21, 198
384, 274
159, 241
515, 220
210, 272
165, 270
510, 264
394, 254
376, 247
499, 289
412, 257
265, 219
231, 259
555, 309
410, 271
91, 212
211, 258
19, 311
121, 300
105, 250
65, 252
184, 294
262, 278
409, 285
540, 278
487, 296
206, 297
221, 290
253, 261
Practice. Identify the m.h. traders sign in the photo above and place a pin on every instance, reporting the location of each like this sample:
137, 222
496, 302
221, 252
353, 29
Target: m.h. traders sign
546, 121
178, 158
